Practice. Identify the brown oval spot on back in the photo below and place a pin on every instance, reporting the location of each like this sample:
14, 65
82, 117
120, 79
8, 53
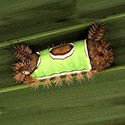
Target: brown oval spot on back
61, 49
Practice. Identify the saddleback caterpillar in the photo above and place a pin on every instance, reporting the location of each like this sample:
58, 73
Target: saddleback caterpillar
84, 56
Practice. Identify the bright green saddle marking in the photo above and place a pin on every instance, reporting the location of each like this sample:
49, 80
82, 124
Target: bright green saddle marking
78, 61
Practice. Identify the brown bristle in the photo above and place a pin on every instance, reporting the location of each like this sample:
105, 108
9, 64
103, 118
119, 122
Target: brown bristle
18, 67
19, 72
28, 66
69, 79
89, 74
21, 51
103, 55
96, 32
47, 83
58, 81
28, 80
100, 55
23, 67
79, 77
19, 76
36, 84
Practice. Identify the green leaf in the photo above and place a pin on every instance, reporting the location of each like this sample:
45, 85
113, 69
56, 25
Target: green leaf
42, 24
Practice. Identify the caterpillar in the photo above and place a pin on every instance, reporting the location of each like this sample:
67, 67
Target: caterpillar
84, 56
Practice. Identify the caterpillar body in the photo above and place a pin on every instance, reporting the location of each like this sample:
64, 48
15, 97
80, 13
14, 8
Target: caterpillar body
84, 56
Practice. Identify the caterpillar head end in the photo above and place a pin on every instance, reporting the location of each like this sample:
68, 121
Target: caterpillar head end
27, 64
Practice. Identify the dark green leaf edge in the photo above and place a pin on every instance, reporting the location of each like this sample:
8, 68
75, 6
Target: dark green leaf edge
26, 86
57, 31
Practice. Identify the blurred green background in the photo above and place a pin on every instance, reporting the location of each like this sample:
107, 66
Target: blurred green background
42, 24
